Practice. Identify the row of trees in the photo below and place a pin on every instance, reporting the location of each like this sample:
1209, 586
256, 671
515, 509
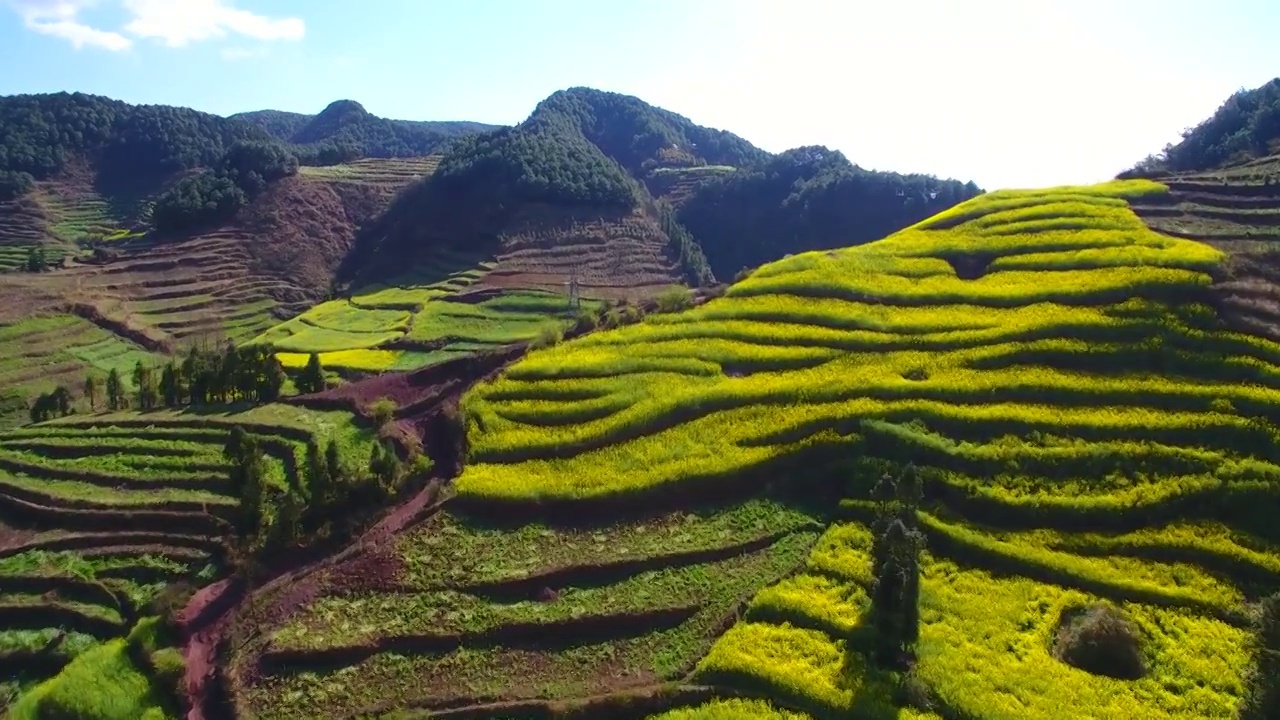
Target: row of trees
202, 377
273, 519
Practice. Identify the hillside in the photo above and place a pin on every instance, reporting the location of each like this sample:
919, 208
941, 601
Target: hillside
1050, 369
345, 130
1245, 127
586, 157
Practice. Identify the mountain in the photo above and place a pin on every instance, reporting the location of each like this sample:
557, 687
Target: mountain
354, 132
588, 153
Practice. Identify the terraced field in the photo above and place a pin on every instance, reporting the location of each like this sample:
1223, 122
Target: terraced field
375, 171
617, 257
420, 320
57, 350
1088, 429
676, 185
99, 513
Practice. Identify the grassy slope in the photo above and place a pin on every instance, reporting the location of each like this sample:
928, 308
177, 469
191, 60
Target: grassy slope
1070, 379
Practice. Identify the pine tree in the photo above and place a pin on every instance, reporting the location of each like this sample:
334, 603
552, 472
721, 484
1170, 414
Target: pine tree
312, 379
60, 398
169, 385
115, 391
91, 392
333, 465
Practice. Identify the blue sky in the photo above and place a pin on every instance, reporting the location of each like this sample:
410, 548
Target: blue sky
1005, 92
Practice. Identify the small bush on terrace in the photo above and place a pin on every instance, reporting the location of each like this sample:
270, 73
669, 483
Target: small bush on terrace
675, 299
1101, 640
381, 411
547, 337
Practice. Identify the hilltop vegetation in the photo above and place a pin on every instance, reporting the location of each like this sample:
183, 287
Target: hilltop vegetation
1245, 126
808, 198
345, 131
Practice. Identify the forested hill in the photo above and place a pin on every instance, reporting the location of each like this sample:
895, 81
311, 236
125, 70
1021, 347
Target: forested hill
584, 146
346, 125
809, 198
1245, 127
41, 134
587, 150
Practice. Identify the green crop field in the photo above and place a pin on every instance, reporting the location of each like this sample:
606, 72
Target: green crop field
58, 350
417, 321
114, 507
374, 171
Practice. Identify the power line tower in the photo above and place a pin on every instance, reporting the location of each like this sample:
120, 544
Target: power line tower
575, 300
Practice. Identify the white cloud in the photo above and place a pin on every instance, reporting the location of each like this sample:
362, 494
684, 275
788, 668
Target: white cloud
176, 23
59, 18
179, 22
240, 53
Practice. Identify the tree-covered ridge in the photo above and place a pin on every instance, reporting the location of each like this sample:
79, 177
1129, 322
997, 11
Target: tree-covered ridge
640, 136
350, 130
536, 162
808, 198
583, 146
40, 133
1246, 126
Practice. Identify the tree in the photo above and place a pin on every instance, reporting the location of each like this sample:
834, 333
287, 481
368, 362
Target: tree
246, 478
312, 379
1262, 685
896, 548
91, 391
36, 260
115, 391
319, 481
61, 400
382, 410
170, 390
333, 464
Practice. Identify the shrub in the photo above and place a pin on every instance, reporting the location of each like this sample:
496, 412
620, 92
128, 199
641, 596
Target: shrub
587, 320
611, 319
169, 602
675, 299
1101, 640
1262, 694
382, 411
547, 337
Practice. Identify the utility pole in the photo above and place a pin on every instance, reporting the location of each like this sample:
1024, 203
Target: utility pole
574, 300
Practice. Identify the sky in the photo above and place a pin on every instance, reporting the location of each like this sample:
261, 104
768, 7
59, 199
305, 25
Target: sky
1007, 93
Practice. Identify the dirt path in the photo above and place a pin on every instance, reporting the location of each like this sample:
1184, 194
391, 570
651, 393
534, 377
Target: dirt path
207, 616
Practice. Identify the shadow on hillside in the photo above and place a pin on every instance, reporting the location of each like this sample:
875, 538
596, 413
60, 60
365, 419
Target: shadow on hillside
129, 195
811, 481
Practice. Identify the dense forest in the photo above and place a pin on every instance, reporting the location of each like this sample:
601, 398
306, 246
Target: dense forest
585, 146
345, 130
40, 133
1244, 127
809, 198
640, 136
217, 193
